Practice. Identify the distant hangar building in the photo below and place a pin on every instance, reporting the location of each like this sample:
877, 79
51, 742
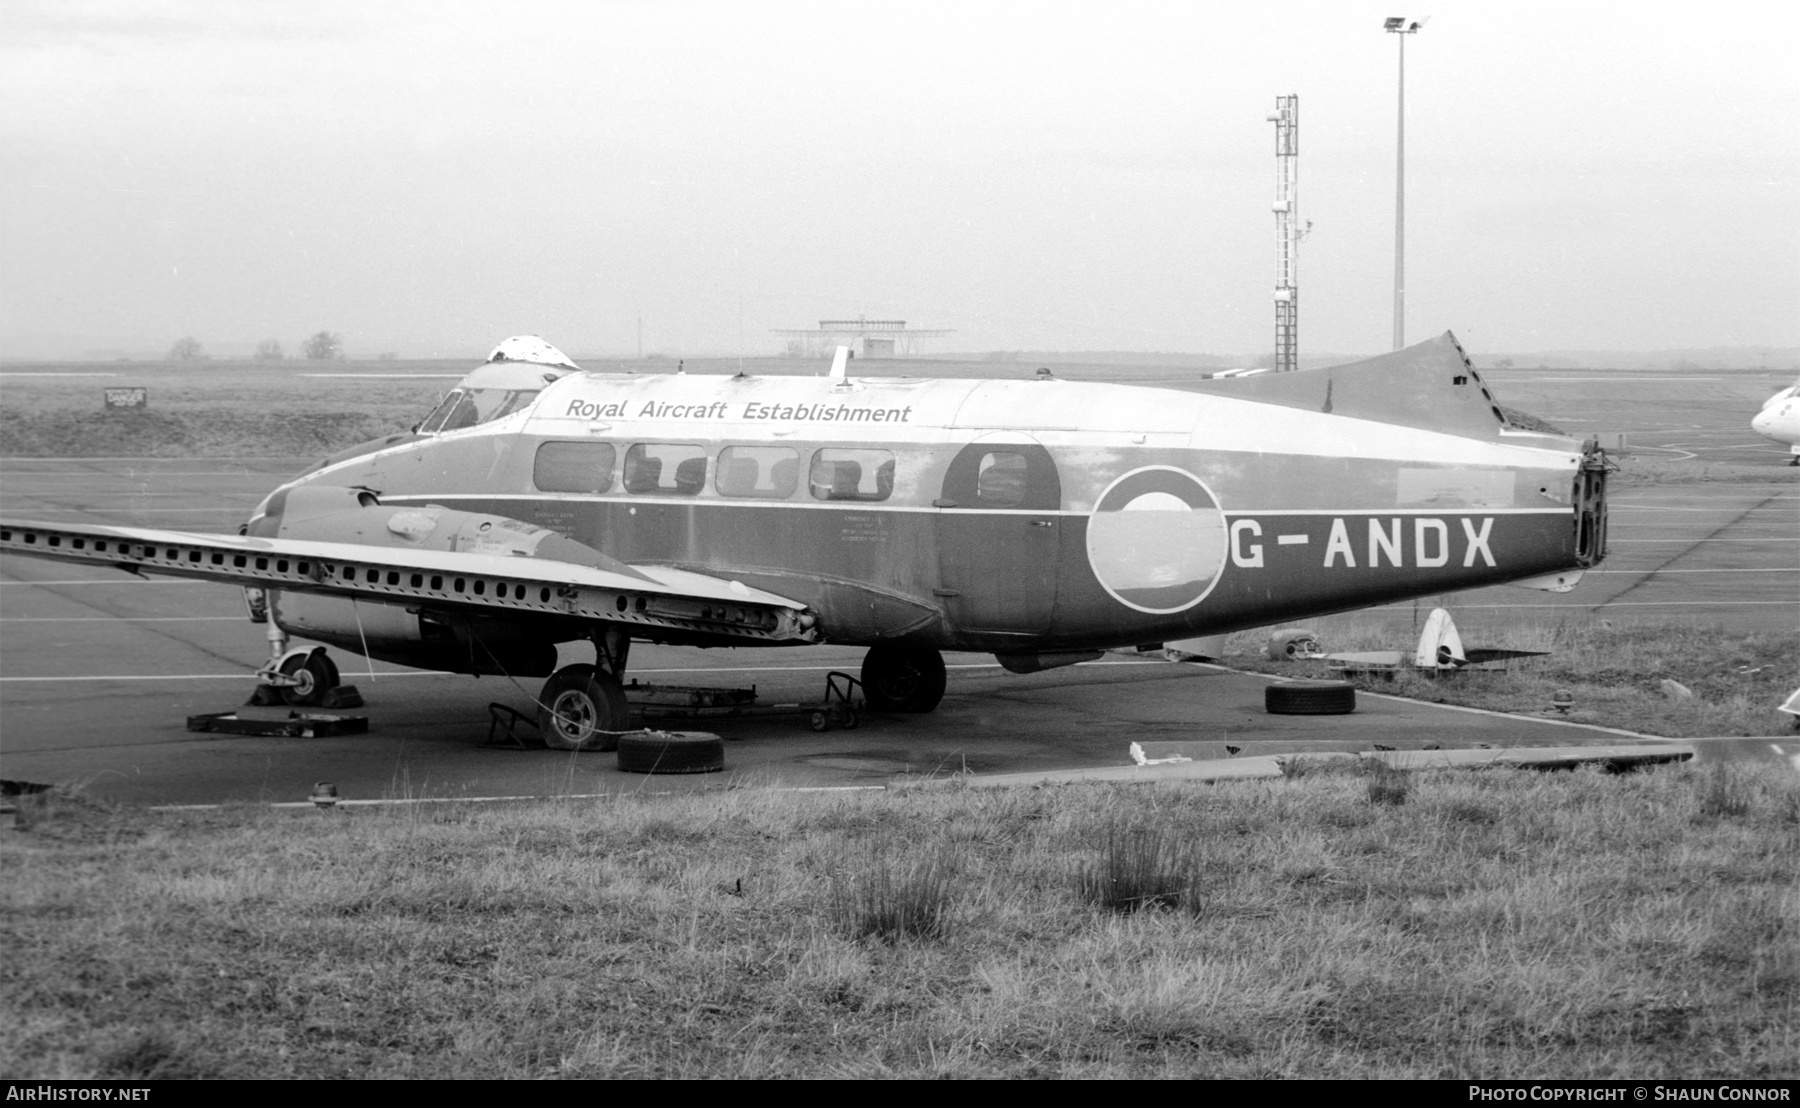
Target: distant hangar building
870, 338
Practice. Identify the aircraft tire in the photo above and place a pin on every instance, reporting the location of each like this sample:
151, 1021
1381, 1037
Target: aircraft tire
317, 675
1310, 698
900, 678
582, 708
671, 752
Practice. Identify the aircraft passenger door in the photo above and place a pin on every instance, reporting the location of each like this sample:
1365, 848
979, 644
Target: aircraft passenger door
998, 537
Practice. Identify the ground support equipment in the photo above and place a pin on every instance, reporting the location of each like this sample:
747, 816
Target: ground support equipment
839, 707
296, 725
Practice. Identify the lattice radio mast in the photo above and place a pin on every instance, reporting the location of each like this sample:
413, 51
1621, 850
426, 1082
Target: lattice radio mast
1288, 232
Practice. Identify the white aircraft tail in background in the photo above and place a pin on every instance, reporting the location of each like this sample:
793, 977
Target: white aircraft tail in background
1780, 420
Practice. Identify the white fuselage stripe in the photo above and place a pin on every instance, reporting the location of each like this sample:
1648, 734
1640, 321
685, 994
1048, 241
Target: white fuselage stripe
867, 506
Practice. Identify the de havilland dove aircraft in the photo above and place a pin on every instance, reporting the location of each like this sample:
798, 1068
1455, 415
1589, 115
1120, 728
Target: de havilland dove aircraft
1041, 520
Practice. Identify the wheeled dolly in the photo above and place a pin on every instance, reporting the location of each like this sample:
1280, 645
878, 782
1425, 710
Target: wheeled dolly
839, 707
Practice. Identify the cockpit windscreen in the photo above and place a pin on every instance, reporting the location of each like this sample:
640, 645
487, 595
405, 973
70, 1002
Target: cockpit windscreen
469, 407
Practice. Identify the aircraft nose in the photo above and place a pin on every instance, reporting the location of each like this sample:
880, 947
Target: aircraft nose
265, 521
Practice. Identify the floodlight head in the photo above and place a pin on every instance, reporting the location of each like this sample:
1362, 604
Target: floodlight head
1394, 22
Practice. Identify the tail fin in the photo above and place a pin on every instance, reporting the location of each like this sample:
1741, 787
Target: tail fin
1440, 647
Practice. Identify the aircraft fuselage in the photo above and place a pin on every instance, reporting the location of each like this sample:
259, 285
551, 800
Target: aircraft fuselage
1017, 516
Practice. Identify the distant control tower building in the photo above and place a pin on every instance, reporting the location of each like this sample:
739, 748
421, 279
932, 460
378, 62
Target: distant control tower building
870, 338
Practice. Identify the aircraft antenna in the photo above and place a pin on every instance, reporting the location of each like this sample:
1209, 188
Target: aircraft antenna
1288, 233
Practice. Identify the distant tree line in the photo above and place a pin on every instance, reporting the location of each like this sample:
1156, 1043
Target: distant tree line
324, 346
187, 348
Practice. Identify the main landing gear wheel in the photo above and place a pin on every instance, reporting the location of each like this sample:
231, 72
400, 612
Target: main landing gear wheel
313, 674
900, 678
582, 708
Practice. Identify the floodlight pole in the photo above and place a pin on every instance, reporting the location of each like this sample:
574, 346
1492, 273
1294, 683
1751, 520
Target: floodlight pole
1286, 118
1402, 27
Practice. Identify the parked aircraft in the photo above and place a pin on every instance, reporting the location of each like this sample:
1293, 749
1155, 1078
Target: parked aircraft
1038, 519
1780, 420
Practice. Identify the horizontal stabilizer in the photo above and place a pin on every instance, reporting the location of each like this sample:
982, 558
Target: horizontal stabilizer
1208, 647
1368, 659
1550, 582
1480, 654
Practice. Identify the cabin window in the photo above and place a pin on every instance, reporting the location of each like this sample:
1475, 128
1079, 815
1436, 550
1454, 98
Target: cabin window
665, 469
1000, 480
839, 474
768, 472
1016, 476
574, 467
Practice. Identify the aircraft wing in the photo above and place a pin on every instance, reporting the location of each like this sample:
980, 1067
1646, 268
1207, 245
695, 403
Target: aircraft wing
653, 598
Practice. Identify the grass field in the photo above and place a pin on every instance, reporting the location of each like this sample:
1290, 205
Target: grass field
219, 410
1450, 924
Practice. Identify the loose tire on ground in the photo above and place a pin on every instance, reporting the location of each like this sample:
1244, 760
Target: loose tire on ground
315, 672
901, 678
1310, 698
671, 752
582, 708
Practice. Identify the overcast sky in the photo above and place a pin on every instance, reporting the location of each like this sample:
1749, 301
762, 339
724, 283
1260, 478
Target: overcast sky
429, 179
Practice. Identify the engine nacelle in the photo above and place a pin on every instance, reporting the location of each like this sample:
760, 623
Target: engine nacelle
333, 513
413, 635
423, 639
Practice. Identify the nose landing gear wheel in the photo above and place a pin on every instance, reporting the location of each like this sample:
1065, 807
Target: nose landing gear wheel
313, 674
582, 708
899, 678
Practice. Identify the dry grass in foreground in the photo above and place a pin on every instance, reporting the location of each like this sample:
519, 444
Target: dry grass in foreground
1493, 923
1615, 674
